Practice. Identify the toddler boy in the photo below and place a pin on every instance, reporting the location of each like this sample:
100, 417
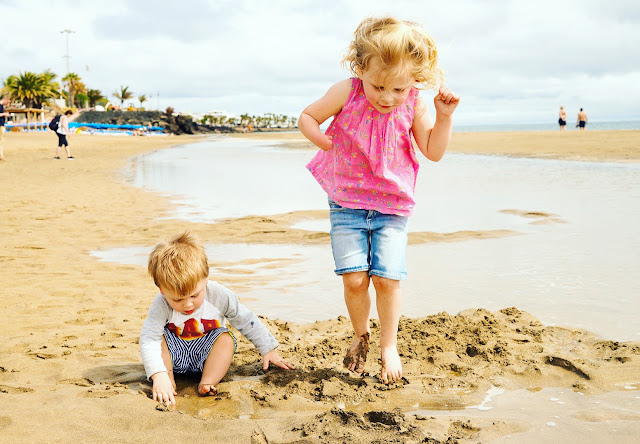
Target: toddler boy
185, 328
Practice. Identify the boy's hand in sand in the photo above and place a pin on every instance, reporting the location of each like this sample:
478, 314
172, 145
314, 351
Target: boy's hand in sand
274, 358
445, 101
163, 389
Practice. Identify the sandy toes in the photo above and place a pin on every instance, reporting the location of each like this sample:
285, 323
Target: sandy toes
356, 357
391, 370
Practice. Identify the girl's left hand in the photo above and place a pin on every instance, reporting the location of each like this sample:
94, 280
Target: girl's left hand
445, 101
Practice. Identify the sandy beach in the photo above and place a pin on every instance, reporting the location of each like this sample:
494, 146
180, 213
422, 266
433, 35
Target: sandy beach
70, 368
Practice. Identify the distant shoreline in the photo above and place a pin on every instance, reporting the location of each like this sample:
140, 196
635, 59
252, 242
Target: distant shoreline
548, 126
591, 145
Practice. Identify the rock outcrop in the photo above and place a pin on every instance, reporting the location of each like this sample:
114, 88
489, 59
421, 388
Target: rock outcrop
175, 124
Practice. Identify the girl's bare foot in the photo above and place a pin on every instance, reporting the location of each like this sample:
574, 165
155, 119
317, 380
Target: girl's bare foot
207, 390
356, 357
391, 370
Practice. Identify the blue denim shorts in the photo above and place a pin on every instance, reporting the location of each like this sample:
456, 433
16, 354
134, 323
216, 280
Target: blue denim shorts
367, 240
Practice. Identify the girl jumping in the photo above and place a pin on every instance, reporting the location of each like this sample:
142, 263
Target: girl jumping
368, 167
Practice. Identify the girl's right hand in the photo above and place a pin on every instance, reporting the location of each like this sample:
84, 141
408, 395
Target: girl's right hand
327, 143
163, 390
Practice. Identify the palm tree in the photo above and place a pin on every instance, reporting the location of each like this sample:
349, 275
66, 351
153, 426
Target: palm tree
219, 120
74, 86
81, 100
142, 99
50, 88
123, 94
94, 95
31, 89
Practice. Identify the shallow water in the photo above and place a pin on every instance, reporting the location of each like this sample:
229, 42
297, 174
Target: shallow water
552, 414
577, 267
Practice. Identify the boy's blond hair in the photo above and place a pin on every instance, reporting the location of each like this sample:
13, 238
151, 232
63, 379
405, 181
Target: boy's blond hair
179, 264
403, 47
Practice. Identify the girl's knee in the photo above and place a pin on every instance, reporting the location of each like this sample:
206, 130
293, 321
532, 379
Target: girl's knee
356, 282
384, 285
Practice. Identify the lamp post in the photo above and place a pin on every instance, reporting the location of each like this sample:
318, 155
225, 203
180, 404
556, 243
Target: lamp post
67, 56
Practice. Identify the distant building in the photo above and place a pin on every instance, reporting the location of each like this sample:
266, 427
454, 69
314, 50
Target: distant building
214, 113
216, 117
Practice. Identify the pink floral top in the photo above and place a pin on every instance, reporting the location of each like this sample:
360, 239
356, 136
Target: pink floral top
372, 164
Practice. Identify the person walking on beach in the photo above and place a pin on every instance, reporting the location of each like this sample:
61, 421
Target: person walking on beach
61, 132
184, 332
562, 119
368, 168
582, 120
4, 101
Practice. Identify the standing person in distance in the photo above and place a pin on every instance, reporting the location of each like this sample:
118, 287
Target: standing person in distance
4, 101
562, 119
61, 132
582, 120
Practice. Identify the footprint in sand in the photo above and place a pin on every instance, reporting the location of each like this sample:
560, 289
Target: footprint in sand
542, 217
107, 390
5, 422
81, 321
81, 382
39, 355
89, 310
14, 390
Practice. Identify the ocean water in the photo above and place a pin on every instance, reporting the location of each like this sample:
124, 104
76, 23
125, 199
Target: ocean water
575, 267
550, 126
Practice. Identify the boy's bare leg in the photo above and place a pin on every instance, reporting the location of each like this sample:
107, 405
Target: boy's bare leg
168, 363
388, 301
217, 364
356, 296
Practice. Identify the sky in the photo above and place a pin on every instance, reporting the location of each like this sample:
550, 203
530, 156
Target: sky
511, 62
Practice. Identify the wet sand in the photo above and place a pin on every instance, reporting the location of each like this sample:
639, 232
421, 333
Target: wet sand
69, 361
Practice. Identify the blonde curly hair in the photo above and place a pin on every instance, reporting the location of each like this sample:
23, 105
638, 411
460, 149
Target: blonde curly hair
403, 47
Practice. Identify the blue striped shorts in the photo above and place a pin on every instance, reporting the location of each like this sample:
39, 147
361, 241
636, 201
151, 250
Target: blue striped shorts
190, 356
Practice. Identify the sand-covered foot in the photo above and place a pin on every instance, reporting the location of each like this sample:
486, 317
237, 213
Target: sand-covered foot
356, 357
207, 390
391, 370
